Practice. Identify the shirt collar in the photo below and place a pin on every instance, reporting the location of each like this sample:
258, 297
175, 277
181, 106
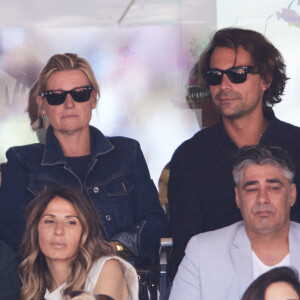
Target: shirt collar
271, 130
53, 154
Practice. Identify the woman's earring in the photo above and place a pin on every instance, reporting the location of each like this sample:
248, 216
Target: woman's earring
43, 113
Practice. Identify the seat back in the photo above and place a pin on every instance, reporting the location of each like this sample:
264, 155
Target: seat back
2, 165
164, 280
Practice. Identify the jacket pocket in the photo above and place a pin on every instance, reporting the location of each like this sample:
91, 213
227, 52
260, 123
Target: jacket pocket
119, 193
38, 183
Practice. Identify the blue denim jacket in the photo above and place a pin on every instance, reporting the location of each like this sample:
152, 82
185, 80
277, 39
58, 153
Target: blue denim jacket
117, 182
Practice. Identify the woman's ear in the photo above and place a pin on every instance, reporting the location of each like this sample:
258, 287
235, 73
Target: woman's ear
94, 99
39, 101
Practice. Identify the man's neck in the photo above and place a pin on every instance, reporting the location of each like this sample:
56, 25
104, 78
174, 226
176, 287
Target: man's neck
247, 130
271, 249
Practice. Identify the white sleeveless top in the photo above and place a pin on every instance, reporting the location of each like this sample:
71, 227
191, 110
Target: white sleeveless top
129, 273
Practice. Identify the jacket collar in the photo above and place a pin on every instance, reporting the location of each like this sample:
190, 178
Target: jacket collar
294, 245
242, 259
241, 254
53, 153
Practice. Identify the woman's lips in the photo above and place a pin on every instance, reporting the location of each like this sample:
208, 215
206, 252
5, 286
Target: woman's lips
69, 116
58, 245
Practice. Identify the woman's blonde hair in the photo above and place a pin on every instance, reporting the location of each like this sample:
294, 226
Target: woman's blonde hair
57, 63
33, 270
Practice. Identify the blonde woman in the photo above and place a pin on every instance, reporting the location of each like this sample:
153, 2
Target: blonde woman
63, 251
111, 171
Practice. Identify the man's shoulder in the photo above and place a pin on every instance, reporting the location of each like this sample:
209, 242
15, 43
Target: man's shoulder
295, 226
217, 239
199, 140
287, 136
288, 127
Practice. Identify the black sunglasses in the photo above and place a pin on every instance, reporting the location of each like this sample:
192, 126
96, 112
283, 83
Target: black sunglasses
235, 75
57, 97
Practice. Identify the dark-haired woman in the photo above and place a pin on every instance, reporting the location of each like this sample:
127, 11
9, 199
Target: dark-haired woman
280, 283
63, 251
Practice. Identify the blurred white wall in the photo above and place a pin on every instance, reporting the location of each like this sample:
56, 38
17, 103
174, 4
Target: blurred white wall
141, 59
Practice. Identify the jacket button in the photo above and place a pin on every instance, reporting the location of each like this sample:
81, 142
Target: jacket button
96, 190
108, 217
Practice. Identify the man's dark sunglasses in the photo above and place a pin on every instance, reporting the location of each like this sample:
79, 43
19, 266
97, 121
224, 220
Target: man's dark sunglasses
57, 97
235, 74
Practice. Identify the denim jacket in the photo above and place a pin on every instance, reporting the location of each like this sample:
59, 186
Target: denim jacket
117, 182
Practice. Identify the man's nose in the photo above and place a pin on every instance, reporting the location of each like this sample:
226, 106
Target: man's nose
262, 195
225, 82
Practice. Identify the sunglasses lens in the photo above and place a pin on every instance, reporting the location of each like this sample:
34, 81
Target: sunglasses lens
213, 77
235, 75
56, 97
81, 94
238, 75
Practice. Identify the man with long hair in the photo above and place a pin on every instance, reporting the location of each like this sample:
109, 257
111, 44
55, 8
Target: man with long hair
246, 76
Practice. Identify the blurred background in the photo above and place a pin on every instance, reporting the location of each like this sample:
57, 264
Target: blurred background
142, 52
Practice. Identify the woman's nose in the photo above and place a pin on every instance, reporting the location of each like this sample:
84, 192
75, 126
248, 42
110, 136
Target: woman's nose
59, 229
69, 101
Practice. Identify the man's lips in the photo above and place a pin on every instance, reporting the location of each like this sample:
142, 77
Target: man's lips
263, 208
263, 213
227, 96
226, 99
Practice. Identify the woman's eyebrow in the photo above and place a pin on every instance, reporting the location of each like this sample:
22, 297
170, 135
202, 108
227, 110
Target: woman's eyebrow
66, 216
48, 215
71, 216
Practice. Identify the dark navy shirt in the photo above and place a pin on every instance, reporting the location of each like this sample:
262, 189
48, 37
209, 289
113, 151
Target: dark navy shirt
79, 164
201, 188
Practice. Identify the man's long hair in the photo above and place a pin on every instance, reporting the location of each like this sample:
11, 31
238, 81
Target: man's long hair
266, 58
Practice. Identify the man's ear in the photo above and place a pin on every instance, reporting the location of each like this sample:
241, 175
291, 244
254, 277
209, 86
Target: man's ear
266, 82
293, 194
237, 198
